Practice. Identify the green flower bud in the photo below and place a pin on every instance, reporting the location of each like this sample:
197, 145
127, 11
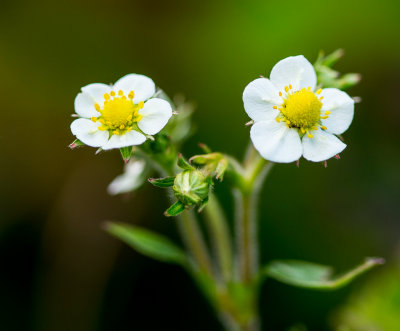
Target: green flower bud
191, 187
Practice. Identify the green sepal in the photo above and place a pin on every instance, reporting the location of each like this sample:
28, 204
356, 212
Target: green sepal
183, 164
147, 242
98, 151
330, 59
126, 153
221, 168
203, 204
205, 148
314, 276
76, 143
175, 209
162, 182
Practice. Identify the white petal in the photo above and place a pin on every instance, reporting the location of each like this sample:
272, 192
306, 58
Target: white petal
130, 180
87, 132
294, 70
128, 139
322, 146
341, 107
259, 97
156, 113
97, 91
141, 85
276, 142
84, 106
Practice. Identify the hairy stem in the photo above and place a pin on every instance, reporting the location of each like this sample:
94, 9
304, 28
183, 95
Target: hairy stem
194, 241
220, 236
246, 200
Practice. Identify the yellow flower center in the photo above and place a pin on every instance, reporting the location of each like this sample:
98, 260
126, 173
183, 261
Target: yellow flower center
119, 114
301, 109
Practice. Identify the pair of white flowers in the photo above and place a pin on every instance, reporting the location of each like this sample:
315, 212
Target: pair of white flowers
292, 117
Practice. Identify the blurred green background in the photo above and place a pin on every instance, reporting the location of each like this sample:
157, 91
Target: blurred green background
60, 271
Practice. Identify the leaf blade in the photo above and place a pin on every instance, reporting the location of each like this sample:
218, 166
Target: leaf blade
147, 242
313, 276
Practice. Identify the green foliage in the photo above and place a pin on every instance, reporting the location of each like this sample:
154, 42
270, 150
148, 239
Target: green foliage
375, 306
314, 276
147, 242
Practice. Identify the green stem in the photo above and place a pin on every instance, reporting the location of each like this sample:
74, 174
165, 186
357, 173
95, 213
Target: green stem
220, 236
189, 229
194, 241
246, 200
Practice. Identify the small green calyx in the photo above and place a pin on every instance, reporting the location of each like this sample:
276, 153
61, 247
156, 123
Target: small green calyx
191, 187
214, 164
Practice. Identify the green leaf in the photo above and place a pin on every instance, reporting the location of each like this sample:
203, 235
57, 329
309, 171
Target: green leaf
162, 182
126, 153
175, 209
147, 242
183, 164
314, 276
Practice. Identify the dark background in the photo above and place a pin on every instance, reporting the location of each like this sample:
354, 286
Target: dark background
60, 271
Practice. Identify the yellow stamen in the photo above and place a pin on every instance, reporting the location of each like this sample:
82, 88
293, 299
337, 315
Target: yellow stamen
309, 135
323, 127
94, 119
286, 89
302, 109
141, 104
97, 106
324, 117
290, 86
278, 119
120, 93
112, 93
327, 112
106, 96
275, 107
280, 94
319, 91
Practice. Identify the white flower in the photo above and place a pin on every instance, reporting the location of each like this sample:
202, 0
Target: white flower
120, 115
291, 118
130, 180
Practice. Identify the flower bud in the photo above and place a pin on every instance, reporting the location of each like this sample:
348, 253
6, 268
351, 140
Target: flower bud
191, 187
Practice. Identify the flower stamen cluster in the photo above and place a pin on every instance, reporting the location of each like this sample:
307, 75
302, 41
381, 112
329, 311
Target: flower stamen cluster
301, 109
119, 113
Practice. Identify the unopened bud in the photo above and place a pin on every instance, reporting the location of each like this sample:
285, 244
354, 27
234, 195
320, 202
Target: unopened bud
191, 187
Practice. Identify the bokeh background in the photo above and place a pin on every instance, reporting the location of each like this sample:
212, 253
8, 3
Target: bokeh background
60, 271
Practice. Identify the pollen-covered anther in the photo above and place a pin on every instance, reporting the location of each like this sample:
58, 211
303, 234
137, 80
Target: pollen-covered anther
119, 113
301, 109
